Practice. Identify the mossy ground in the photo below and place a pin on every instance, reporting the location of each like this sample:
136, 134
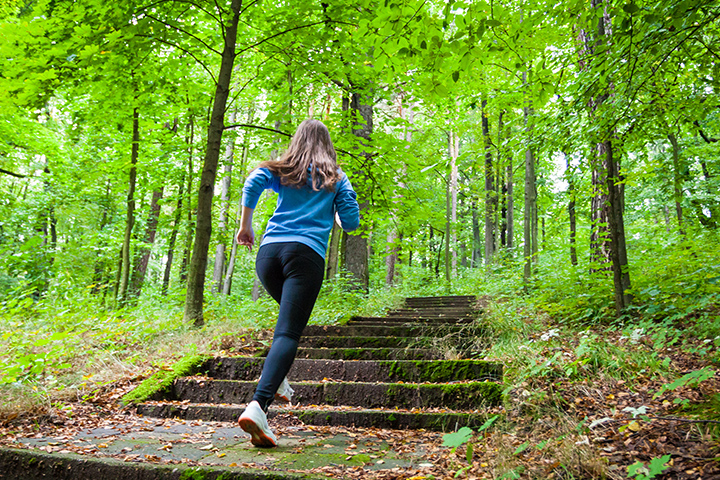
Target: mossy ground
160, 382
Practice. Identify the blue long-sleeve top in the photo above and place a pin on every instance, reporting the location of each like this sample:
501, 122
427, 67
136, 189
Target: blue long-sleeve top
303, 214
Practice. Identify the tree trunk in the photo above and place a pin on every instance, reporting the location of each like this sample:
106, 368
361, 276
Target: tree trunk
333, 259
490, 193
130, 213
173, 236
145, 247
203, 230
227, 283
219, 267
571, 211
448, 226
530, 208
510, 202
100, 262
356, 256
452, 239
477, 241
621, 273
677, 180
190, 232
394, 236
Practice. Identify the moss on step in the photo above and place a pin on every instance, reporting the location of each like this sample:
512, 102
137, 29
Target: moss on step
161, 381
441, 370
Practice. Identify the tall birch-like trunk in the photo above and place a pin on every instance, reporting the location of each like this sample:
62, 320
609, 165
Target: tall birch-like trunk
569, 177
677, 180
173, 237
394, 235
219, 266
227, 282
454, 147
530, 207
196, 274
190, 232
145, 246
477, 254
356, 247
130, 211
490, 193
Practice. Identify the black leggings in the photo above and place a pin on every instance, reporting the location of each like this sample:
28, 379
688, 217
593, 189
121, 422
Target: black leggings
292, 273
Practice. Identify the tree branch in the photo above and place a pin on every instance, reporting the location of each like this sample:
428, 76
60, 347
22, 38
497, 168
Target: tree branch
703, 135
277, 35
185, 51
17, 175
247, 125
199, 40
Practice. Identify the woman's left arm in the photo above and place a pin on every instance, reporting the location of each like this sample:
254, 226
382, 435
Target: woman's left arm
246, 235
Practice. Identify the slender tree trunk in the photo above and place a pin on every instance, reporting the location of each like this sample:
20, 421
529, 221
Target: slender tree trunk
490, 193
530, 208
173, 237
677, 180
571, 211
203, 230
219, 266
356, 245
477, 255
621, 274
190, 232
130, 213
333, 259
599, 234
100, 261
145, 247
452, 239
394, 235
227, 283
510, 199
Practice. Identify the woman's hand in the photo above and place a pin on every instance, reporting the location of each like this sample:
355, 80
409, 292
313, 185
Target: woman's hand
246, 236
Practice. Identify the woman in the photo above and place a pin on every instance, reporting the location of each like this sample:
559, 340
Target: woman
291, 260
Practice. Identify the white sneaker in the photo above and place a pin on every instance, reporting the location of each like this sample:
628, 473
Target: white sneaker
284, 392
254, 421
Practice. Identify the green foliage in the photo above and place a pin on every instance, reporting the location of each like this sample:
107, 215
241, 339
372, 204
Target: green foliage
688, 380
640, 471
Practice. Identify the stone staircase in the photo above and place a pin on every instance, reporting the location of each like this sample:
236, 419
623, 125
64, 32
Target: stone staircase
385, 372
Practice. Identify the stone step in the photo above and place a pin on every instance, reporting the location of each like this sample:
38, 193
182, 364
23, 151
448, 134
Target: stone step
33, 464
433, 312
375, 330
249, 368
369, 353
453, 396
412, 320
442, 301
356, 342
446, 421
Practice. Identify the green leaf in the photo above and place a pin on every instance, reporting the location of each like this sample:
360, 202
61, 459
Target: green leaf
488, 423
631, 8
456, 76
456, 439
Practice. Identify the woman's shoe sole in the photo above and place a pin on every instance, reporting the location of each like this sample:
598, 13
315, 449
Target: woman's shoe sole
257, 436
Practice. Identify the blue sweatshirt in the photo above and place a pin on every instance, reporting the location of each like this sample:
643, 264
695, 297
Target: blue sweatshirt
302, 214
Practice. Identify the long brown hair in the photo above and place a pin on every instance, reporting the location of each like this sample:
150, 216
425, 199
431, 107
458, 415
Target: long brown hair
310, 149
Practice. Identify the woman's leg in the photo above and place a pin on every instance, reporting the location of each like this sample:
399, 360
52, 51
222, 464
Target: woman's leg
292, 273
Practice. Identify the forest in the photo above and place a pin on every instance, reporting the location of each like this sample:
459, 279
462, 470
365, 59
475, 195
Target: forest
560, 159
